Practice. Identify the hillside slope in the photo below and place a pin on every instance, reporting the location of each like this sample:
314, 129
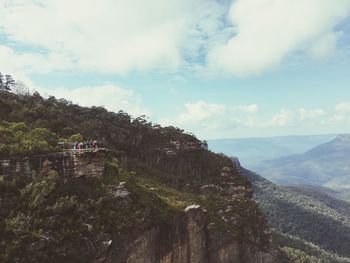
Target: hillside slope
308, 216
325, 165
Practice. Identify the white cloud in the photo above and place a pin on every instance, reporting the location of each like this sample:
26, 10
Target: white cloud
210, 120
102, 35
341, 113
213, 120
111, 97
111, 36
305, 114
283, 118
342, 107
267, 31
252, 108
210, 116
16, 62
199, 115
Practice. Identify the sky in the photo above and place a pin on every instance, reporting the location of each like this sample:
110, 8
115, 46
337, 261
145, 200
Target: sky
217, 68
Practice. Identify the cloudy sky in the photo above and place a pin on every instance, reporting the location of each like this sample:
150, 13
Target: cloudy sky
218, 68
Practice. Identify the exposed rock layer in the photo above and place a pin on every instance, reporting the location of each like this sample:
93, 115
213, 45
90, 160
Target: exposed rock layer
189, 239
65, 164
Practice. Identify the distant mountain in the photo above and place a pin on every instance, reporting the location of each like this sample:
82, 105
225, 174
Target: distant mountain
343, 194
325, 165
339, 194
304, 219
251, 151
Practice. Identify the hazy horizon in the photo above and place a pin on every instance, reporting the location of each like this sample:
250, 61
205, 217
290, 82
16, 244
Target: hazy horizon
277, 136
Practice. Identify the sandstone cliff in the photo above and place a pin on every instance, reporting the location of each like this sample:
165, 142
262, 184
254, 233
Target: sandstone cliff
189, 239
133, 212
65, 164
191, 236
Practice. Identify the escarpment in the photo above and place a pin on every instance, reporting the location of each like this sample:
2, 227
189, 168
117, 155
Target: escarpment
225, 228
189, 239
67, 164
134, 206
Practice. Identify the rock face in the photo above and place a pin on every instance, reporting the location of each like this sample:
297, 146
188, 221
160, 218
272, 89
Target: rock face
189, 239
192, 237
65, 164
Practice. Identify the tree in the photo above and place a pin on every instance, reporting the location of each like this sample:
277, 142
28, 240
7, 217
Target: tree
6, 82
1, 81
9, 82
20, 88
76, 138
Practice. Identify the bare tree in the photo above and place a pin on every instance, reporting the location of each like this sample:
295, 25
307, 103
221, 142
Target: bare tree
20, 88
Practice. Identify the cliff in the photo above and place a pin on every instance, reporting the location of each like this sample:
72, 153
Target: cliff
65, 164
190, 239
192, 235
130, 209
227, 226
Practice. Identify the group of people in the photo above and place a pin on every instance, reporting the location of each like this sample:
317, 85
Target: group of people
92, 144
85, 145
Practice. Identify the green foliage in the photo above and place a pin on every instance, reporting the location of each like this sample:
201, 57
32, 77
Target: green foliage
6, 135
117, 130
161, 210
304, 219
42, 134
301, 251
17, 127
57, 221
301, 215
297, 256
75, 138
18, 139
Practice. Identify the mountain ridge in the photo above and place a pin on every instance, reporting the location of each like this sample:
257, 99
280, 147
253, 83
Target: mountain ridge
251, 151
324, 165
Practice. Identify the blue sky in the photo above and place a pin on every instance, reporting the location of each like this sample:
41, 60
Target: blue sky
220, 69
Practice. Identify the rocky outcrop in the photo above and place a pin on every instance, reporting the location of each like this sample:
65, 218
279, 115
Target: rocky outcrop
65, 164
190, 239
193, 236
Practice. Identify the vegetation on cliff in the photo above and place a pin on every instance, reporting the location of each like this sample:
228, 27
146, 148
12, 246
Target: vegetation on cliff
18, 139
117, 130
56, 220
153, 174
